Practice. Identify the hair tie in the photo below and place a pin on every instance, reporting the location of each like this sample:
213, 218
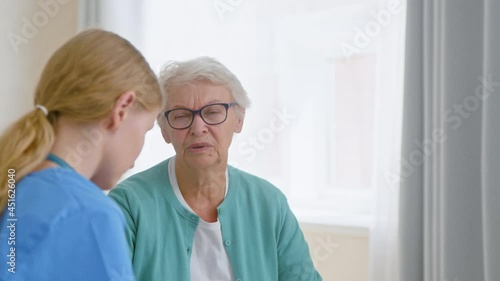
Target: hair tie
42, 108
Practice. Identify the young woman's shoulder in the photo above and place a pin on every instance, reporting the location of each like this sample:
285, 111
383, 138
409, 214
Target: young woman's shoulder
57, 206
56, 192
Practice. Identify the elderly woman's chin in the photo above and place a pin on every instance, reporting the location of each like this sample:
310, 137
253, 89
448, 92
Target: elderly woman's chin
202, 159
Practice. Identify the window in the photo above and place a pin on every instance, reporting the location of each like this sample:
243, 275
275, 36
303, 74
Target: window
322, 99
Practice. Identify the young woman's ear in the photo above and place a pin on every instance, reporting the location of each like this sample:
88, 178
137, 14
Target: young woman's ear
121, 110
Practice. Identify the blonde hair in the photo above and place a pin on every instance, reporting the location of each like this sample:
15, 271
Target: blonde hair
81, 81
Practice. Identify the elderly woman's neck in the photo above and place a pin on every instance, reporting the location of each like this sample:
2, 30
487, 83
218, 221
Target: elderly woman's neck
208, 182
202, 189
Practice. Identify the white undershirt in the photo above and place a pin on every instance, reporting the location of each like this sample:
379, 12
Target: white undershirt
209, 260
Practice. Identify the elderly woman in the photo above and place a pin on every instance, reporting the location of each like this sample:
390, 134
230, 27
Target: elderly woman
193, 217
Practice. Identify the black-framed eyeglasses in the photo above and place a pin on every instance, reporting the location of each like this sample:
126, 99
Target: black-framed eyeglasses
212, 114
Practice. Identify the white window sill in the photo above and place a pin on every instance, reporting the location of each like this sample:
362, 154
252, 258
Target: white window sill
341, 224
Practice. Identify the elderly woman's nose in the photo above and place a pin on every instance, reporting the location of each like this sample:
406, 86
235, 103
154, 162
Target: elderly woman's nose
198, 126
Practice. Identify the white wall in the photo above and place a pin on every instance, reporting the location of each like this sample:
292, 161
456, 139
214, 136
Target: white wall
30, 31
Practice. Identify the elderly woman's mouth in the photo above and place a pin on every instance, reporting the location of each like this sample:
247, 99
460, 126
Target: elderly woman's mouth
197, 147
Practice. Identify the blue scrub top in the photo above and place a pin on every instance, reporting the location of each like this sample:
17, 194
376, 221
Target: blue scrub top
62, 227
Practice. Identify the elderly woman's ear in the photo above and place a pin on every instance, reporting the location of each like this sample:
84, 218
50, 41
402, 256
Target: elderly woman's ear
165, 135
241, 117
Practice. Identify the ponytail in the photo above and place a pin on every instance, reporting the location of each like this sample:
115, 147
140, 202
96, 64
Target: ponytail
24, 145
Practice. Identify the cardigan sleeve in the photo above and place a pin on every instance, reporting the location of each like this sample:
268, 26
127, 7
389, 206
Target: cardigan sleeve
294, 260
120, 196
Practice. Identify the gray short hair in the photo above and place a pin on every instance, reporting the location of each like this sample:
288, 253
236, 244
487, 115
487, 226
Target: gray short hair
177, 73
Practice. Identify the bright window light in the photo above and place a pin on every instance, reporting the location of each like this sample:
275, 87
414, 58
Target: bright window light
325, 82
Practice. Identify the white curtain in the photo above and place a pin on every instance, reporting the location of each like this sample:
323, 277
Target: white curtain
450, 178
388, 114
123, 17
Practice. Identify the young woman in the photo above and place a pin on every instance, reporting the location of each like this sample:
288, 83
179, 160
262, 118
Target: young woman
96, 99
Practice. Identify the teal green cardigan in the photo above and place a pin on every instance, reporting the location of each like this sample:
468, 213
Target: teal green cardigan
261, 235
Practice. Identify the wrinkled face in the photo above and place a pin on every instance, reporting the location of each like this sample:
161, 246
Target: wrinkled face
202, 145
123, 148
